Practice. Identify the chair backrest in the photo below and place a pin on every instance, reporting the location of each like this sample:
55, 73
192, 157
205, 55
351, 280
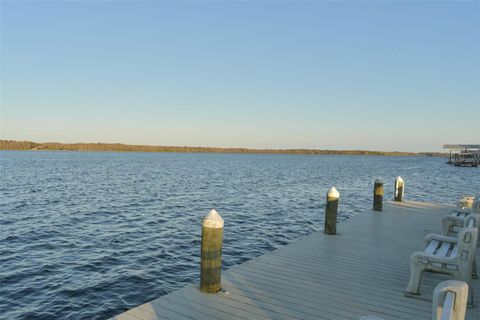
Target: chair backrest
472, 221
450, 300
460, 212
467, 243
476, 205
469, 222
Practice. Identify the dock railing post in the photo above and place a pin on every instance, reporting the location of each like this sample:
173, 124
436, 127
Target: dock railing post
399, 189
211, 253
378, 195
331, 210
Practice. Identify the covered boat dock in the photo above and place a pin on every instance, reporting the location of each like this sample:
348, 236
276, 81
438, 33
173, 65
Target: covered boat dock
464, 155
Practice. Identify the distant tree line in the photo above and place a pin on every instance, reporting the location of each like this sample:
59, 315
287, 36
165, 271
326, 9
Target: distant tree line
118, 147
17, 145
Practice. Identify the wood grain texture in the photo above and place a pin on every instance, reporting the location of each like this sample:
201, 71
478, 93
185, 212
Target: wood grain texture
211, 260
363, 270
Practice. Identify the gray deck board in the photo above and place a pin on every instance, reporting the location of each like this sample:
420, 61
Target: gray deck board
363, 270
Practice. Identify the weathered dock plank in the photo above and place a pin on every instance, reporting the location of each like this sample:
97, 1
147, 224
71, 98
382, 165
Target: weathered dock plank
363, 270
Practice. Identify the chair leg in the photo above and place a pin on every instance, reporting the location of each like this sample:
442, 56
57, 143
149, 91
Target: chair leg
474, 268
465, 275
471, 295
416, 270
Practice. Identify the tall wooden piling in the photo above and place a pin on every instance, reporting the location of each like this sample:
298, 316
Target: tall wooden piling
211, 253
331, 210
378, 195
399, 189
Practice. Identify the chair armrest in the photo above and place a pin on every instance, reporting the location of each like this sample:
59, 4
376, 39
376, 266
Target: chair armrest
420, 257
439, 237
449, 221
454, 212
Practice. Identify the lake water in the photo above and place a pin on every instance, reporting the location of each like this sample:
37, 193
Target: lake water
89, 235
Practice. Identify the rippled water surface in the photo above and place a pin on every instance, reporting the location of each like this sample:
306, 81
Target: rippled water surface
89, 235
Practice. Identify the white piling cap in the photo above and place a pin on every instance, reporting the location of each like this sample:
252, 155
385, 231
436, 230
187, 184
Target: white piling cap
378, 180
333, 193
466, 202
399, 179
212, 220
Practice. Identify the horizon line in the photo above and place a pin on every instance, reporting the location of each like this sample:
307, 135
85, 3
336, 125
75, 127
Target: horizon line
11, 144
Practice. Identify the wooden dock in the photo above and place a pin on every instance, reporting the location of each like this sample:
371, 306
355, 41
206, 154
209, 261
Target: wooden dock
363, 270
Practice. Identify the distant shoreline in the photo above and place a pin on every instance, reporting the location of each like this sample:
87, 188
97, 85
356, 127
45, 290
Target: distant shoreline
119, 147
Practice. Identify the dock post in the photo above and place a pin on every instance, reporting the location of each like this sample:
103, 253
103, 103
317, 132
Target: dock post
331, 210
378, 195
399, 189
211, 253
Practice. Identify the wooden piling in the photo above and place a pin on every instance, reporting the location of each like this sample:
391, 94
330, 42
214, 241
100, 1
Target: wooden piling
378, 195
331, 210
211, 253
399, 189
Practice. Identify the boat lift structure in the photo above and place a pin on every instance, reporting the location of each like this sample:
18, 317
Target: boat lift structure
464, 155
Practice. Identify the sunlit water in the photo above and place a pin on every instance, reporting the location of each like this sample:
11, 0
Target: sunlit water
89, 235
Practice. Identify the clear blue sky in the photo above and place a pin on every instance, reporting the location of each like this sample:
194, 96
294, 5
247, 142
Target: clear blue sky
369, 75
